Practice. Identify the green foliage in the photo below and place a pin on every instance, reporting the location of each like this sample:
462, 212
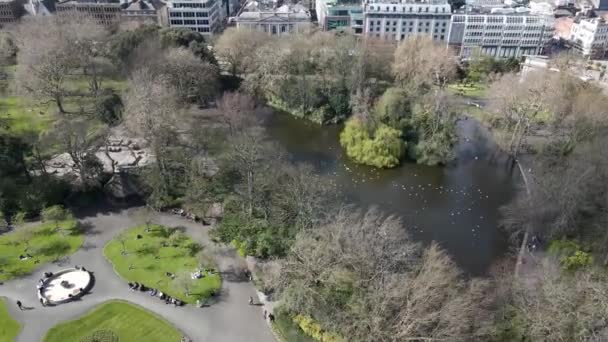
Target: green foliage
122, 44
435, 134
580, 259
55, 213
383, 149
256, 237
570, 255
108, 107
314, 329
394, 108
480, 67
183, 37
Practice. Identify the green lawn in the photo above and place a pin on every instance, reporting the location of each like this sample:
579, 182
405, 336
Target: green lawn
128, 322
34, 115
468, 90
160, 251
9, 328
44, 242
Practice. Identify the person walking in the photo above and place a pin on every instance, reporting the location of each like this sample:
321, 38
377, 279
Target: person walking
265, 313
250, 300
20, 305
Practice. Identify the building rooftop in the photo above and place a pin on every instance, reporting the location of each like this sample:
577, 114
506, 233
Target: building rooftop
255, 10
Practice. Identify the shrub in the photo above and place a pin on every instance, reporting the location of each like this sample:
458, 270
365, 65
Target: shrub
108, 107
55, 213
384, 149
580, 259
394, 108
314, 329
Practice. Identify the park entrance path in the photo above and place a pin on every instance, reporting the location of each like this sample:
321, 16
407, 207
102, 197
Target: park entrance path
230, 319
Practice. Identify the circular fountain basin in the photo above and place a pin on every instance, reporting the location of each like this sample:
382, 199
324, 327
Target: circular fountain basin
65, 286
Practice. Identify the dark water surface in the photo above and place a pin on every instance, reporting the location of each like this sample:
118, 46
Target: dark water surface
456, 205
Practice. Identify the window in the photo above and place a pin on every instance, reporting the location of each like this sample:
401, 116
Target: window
410, 30
394, 28
202, 22
176, 22
402, 37
282, 28
202, 14
175, 14
442, 37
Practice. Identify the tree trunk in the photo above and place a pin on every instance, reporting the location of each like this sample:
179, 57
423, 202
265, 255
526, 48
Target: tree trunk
522, 248
250, 191
59, 104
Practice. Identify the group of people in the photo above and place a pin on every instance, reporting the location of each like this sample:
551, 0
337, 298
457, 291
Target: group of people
40, 288
155, 293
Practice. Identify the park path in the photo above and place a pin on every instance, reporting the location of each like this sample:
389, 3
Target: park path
230, 319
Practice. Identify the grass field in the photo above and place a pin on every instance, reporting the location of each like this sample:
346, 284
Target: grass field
44, 242
469, 90
157, 252
128, 322
9, 328
37, 115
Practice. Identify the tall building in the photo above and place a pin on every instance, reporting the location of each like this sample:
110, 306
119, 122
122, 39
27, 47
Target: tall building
198, 15
590, 36
398, 20
10, 11
104, 12
500, 32
266, 17
337, 14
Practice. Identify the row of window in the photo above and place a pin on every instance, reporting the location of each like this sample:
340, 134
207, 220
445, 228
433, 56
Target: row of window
411, 9
402, 36
411, 23
207, 4
174, 14
189, 22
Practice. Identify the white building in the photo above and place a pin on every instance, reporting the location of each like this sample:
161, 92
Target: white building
508, 32
398, 20
590, 36
198, 15
265, 17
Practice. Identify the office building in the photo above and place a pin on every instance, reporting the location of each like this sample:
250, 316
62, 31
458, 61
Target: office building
142, 11
10, 11
337, 14
104, 12
500, 32
397, 21
198, 15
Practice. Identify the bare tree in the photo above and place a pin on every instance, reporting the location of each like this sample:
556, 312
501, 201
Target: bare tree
51, 50
146, 216
237, 111
421, 62
237, 48
183, 281
81, 139
362, 277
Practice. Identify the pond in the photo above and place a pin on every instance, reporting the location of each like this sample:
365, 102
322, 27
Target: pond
456, 205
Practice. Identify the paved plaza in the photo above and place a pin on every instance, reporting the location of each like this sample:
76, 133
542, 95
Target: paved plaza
229, 319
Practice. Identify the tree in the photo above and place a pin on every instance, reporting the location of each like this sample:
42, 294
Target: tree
8, 48
194, 80
237, 49
250, 154
362, 277
205, 261
183, 281
146, 216
237, 112
81, 139
55, 214
421, 63
382, 148
122, 239
51, 49
394, 108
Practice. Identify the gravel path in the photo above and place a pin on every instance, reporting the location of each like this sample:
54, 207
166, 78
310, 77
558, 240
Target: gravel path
229, 319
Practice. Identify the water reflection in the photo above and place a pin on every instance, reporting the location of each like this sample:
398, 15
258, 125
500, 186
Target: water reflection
456, 205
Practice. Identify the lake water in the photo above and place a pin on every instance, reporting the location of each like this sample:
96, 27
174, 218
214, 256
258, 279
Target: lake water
456, 205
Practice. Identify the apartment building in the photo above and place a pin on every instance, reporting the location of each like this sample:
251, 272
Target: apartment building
501, 32
397, 21
265, 17
104, 12
197, 15
589, 36
10, 11
340, 14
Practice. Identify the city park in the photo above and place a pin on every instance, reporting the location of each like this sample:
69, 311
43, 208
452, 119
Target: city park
112, 277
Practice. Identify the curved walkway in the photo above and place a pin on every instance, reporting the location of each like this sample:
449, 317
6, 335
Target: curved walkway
230, 319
